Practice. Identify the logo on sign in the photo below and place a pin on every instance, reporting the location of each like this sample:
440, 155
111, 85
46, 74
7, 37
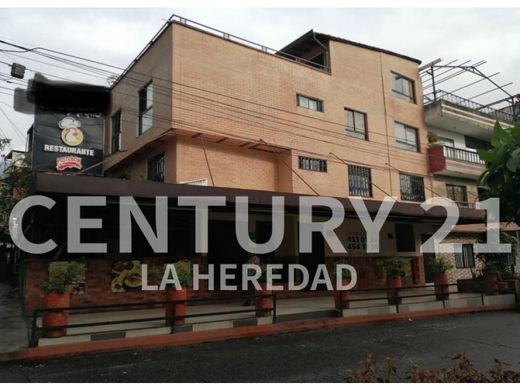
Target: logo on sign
68, 162
71, 133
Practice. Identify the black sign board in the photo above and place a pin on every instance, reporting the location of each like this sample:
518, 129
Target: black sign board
67, 142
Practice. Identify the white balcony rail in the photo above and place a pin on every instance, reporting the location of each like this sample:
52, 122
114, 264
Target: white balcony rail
462, 155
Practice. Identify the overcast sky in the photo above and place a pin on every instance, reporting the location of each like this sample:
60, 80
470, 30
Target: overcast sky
116, 36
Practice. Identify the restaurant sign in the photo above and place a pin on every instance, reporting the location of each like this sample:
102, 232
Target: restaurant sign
67, 142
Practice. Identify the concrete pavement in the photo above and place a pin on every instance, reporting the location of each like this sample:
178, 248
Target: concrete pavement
13, 330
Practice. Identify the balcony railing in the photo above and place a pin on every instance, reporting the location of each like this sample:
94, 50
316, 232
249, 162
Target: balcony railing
469, 105
462, 155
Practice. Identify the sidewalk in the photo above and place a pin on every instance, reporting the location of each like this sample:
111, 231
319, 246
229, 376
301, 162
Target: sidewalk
13, 329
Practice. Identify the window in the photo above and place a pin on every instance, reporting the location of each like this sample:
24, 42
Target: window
310, 103
359, 181
466, 259
412, 187
406, 137
475, 143
156, 168
356, 123
457, 193
312, 164
145, 108
404, 237
403, 88
115, 132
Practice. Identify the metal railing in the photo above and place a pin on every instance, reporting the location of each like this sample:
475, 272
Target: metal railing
38, 330
234, 38
469, 105
452, 153
438, 291
397, 298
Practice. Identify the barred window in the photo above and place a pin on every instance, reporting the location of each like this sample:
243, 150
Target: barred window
412, 187
156, 168
356, 124
466, 259
406, 137
312, 164
310, 103
458, 194
359, 181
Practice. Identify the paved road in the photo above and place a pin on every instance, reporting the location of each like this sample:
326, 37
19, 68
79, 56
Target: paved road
314, 356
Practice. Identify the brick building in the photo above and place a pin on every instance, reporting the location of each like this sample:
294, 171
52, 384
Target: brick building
201, 112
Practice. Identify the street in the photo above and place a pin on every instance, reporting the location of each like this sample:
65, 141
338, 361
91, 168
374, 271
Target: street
316, 356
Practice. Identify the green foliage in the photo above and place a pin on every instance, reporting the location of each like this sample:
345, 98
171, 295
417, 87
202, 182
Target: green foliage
501, 179
496, 263
183, 273
345, 273
441, 264
394, 266
61, 280
4, 142
14, 184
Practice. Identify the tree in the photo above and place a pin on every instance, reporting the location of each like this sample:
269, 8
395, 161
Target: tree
501, 179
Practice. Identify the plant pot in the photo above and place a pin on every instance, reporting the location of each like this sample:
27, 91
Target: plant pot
341, 296
263, 300
442, 292
180, 308
393, 295
490, 284
56, 318
502, 287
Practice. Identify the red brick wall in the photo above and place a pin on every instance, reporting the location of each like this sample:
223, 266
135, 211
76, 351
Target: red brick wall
97, 288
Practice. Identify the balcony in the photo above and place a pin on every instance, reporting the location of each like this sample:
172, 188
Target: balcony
446, 160
454, 113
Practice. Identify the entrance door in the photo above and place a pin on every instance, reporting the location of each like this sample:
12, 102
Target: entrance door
428, 260
312, 260
223, 247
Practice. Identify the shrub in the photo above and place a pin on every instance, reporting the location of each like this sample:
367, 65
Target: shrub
441, 264
460, 371
394, 266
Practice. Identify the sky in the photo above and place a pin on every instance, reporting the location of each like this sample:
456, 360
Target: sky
116, 36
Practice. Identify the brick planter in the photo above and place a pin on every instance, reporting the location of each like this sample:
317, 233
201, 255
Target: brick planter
341, 296
263, 301
442, 292
491, 284
58, 318
180, 308
393, 283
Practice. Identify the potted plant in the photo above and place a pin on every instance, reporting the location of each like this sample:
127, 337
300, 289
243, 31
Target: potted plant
491, 272
440, 266
263, 297
57, 295
183, 270
393, 268
341, 296
433, 138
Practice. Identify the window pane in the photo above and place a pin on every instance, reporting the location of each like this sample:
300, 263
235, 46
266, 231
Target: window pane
149, 96
349, 119
360, 121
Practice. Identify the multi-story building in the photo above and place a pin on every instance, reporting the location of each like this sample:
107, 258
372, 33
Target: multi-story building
322, 116
457, 128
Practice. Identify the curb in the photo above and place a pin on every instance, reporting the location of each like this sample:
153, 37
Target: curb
180, 339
